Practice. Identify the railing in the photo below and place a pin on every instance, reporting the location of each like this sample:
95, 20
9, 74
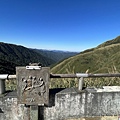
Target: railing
81, 77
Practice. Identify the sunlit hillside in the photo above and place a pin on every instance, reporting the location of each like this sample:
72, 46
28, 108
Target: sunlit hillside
102, 59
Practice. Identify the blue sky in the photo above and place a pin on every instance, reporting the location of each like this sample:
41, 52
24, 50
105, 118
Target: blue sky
71, 25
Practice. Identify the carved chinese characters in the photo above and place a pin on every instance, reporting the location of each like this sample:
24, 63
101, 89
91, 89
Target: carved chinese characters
33, 85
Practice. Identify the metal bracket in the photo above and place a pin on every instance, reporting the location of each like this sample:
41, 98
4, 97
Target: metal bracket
33, 67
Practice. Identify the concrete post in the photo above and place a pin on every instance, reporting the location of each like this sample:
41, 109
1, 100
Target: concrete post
2, 86
80, 83
2, 83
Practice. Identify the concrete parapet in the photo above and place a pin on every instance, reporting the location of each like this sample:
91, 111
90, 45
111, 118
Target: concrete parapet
71, 103
66, 104
97, 118
9, 109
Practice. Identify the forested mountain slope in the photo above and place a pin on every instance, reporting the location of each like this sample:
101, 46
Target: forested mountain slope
13, 55
55, 55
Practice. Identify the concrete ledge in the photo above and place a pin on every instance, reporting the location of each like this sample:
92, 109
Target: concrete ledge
66, 104
71, 103
97, 118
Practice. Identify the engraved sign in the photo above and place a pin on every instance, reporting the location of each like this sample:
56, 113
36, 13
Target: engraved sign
33, 85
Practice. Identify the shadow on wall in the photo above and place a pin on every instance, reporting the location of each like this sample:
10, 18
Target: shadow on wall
52, 93
1, 111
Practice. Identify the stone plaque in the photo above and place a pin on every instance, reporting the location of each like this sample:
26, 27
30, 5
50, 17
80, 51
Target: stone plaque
33, 85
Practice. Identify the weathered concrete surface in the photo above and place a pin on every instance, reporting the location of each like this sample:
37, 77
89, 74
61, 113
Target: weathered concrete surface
97, 118
71, 103
33, 85
10, 110
65, 104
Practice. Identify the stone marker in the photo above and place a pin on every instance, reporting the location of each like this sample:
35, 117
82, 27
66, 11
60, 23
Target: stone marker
33, 85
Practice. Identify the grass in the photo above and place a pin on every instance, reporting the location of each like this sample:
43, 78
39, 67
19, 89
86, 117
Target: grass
88, 82
97, 60
11, 84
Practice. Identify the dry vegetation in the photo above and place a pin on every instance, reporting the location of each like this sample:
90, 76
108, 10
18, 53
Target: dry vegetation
73, 82
88, 82
11, 84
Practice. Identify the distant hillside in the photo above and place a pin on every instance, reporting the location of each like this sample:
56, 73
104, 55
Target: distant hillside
55, 55
104, 58
14, 55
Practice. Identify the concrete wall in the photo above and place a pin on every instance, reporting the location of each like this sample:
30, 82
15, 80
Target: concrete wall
70, 103
65, 104
10, 110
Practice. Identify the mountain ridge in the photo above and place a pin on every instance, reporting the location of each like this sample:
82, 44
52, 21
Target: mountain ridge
109, 42
56, 55
102, 58
12, 55
18, 55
